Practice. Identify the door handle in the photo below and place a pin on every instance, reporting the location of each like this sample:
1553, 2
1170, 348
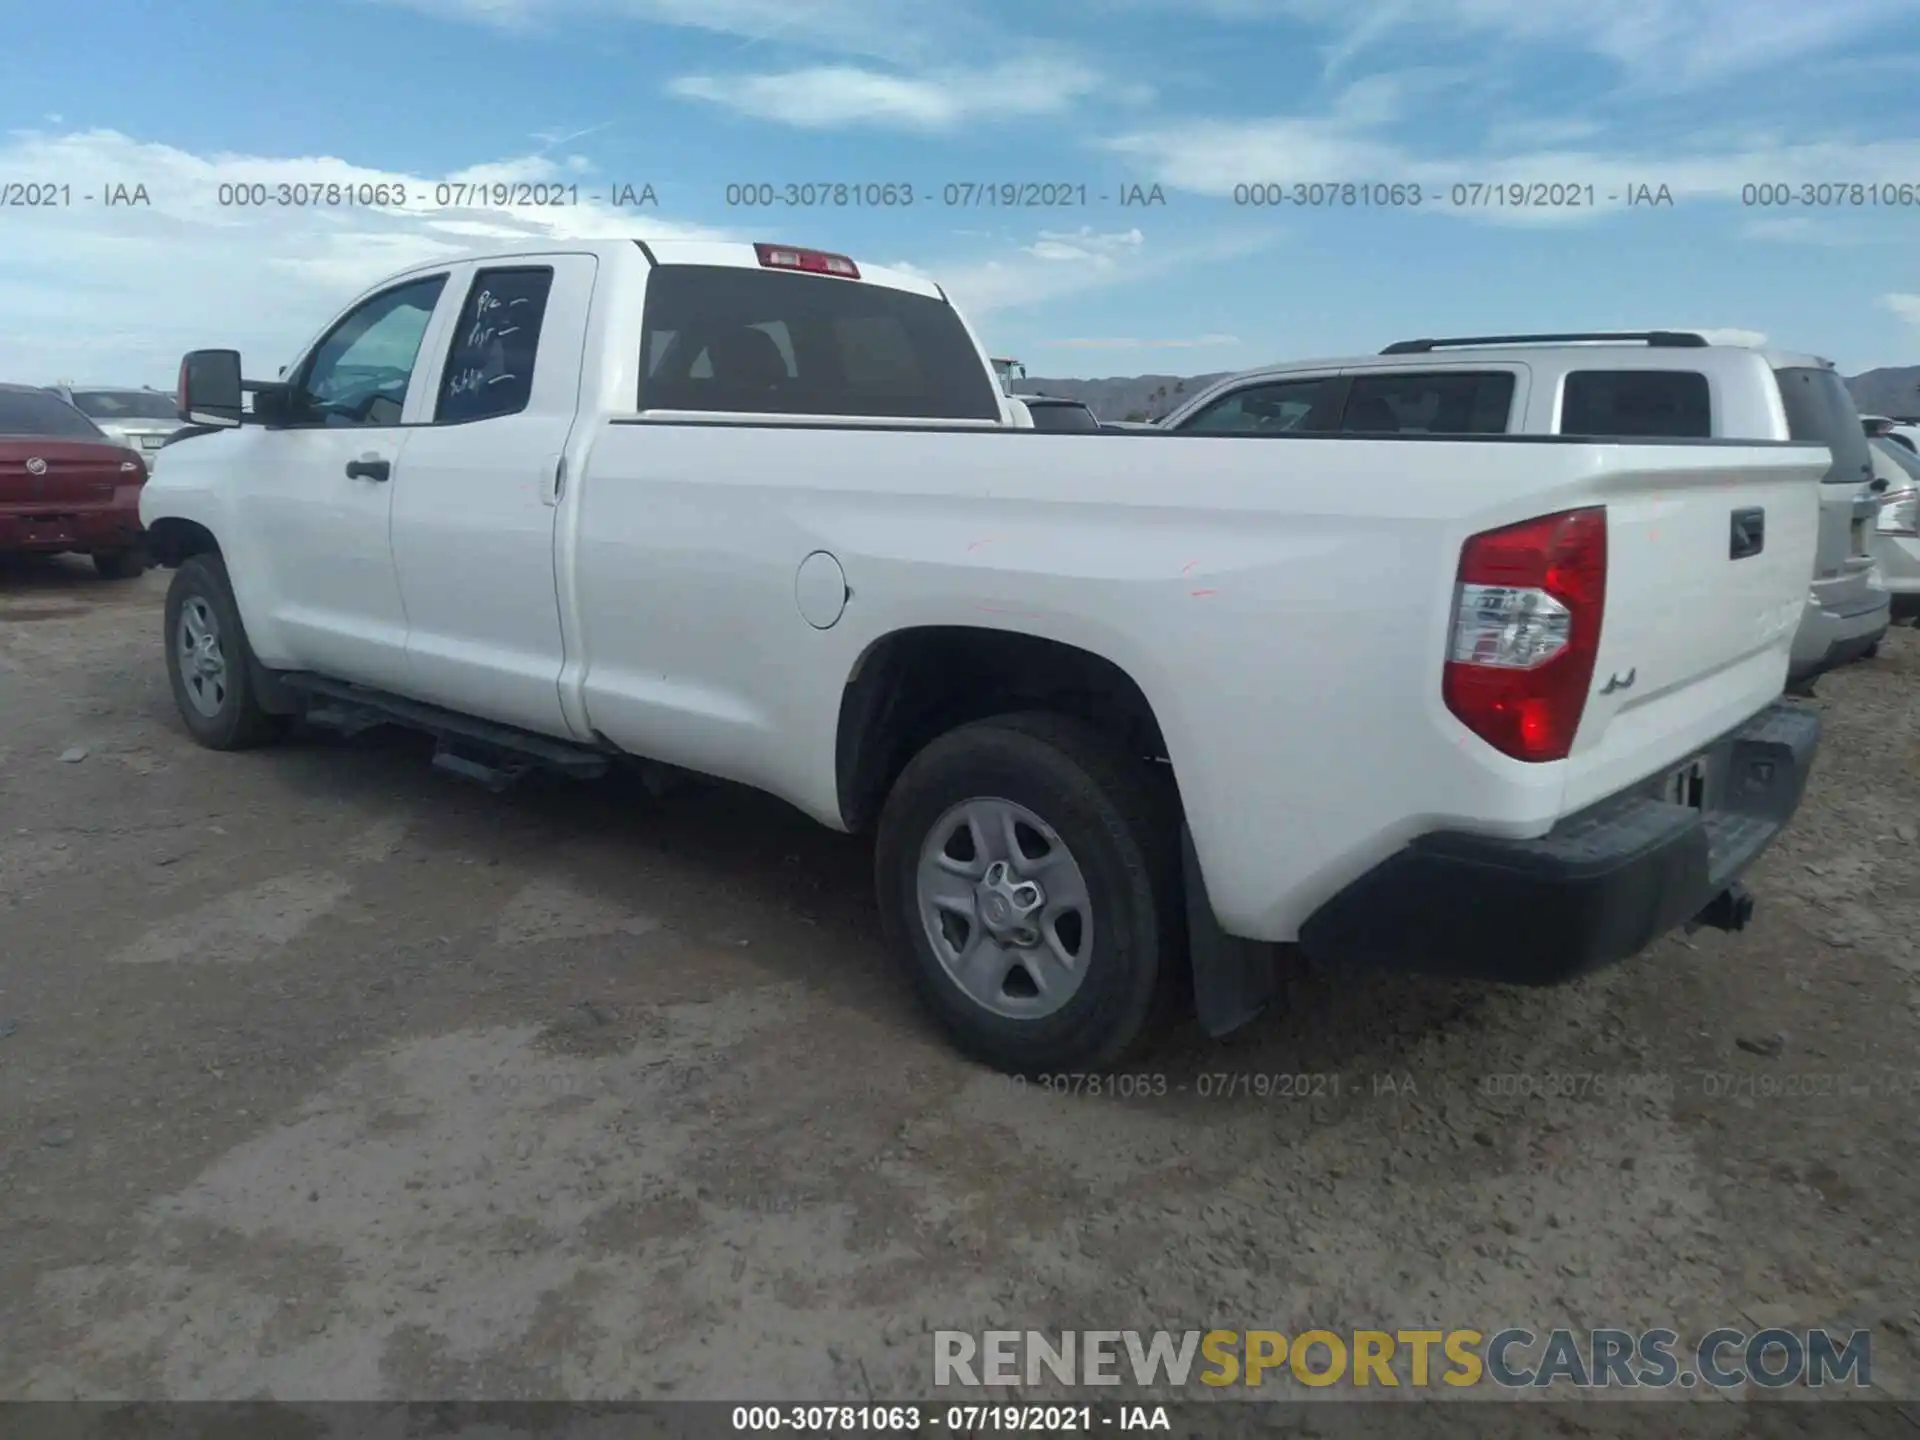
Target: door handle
1749, 533
369, 467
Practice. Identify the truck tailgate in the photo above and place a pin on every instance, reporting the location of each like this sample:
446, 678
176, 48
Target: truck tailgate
1707, 573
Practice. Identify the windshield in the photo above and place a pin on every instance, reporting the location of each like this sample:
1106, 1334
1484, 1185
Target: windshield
127, 405
40, 412
1899, 454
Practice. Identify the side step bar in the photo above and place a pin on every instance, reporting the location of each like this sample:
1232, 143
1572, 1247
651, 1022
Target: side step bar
494, 755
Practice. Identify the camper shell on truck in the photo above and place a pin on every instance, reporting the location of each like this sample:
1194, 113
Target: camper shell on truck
1129, 719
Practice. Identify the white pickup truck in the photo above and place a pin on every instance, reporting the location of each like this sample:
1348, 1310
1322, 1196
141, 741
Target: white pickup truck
1131, 715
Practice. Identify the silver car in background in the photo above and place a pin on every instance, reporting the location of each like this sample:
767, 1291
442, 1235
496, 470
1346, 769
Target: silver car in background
139, 419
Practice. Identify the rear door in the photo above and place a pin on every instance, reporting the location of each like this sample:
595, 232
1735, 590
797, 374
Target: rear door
1820, 410
474, 502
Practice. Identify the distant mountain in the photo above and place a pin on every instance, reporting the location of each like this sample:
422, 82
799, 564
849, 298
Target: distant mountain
1136, 397
1891, 391
1894, 390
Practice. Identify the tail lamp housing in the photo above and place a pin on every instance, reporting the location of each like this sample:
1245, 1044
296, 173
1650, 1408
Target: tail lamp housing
1528, 604
1900, 512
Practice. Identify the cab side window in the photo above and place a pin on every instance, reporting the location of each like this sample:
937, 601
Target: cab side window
358, 375
1278, 408
496, 340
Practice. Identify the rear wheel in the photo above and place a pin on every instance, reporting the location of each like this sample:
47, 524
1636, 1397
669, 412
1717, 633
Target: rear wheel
120, 564
1028, 878
209, 661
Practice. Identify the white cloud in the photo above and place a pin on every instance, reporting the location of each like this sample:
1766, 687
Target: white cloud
1802, 230
1753, 339
1664, 44
1907, 307
1058, 264
115, 295
1212, 157
1099, 248
896, 29
1198, 342
835, 97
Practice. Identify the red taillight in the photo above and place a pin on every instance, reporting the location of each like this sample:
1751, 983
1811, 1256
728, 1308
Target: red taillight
816, 262
1526, 629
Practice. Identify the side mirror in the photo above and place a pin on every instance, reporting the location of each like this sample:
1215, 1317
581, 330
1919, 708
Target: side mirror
210, 388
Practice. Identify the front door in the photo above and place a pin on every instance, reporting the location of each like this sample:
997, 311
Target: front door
321, 501
476, 501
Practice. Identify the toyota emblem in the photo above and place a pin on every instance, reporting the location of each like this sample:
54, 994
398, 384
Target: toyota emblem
36, 466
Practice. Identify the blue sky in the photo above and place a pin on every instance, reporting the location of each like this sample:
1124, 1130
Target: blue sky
1194, 96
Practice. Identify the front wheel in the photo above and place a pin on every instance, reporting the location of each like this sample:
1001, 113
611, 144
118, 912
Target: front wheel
209, 661
1028, 877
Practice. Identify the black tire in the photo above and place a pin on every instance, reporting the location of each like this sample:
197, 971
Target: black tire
1871, 651
1119, 817
239, 723
125, 564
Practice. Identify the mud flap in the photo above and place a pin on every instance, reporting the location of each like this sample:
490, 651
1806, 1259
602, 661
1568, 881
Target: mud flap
1234, 980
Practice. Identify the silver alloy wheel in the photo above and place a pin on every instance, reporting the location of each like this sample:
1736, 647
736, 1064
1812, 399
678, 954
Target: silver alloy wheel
203, 666
1005, 907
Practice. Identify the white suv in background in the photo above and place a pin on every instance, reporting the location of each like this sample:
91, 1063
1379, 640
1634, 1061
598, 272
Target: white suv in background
1656, 384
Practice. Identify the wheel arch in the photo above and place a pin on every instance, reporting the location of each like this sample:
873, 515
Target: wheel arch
172, 540
914, 684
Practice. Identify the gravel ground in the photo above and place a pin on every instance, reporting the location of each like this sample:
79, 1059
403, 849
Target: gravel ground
323, 1075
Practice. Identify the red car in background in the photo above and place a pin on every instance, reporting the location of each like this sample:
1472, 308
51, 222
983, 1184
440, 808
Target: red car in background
64, 486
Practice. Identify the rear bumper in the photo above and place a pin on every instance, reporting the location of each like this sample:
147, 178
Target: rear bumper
1599, 887
45, 531
1833, 633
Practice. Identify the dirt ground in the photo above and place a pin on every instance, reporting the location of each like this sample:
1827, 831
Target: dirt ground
325, 1075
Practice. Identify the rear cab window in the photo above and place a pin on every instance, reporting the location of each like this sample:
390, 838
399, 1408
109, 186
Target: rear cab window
725, 339
1637, 404
1439, 402
1821, 412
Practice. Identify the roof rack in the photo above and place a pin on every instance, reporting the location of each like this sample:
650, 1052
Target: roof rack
1663, 339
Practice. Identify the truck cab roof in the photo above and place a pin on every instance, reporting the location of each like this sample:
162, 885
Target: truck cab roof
736, 254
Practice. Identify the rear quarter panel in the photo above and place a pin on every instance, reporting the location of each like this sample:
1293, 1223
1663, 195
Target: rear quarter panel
1282, 603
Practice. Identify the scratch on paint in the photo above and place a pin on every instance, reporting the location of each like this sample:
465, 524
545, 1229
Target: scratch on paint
1196, 594
1184, 569
977, 544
